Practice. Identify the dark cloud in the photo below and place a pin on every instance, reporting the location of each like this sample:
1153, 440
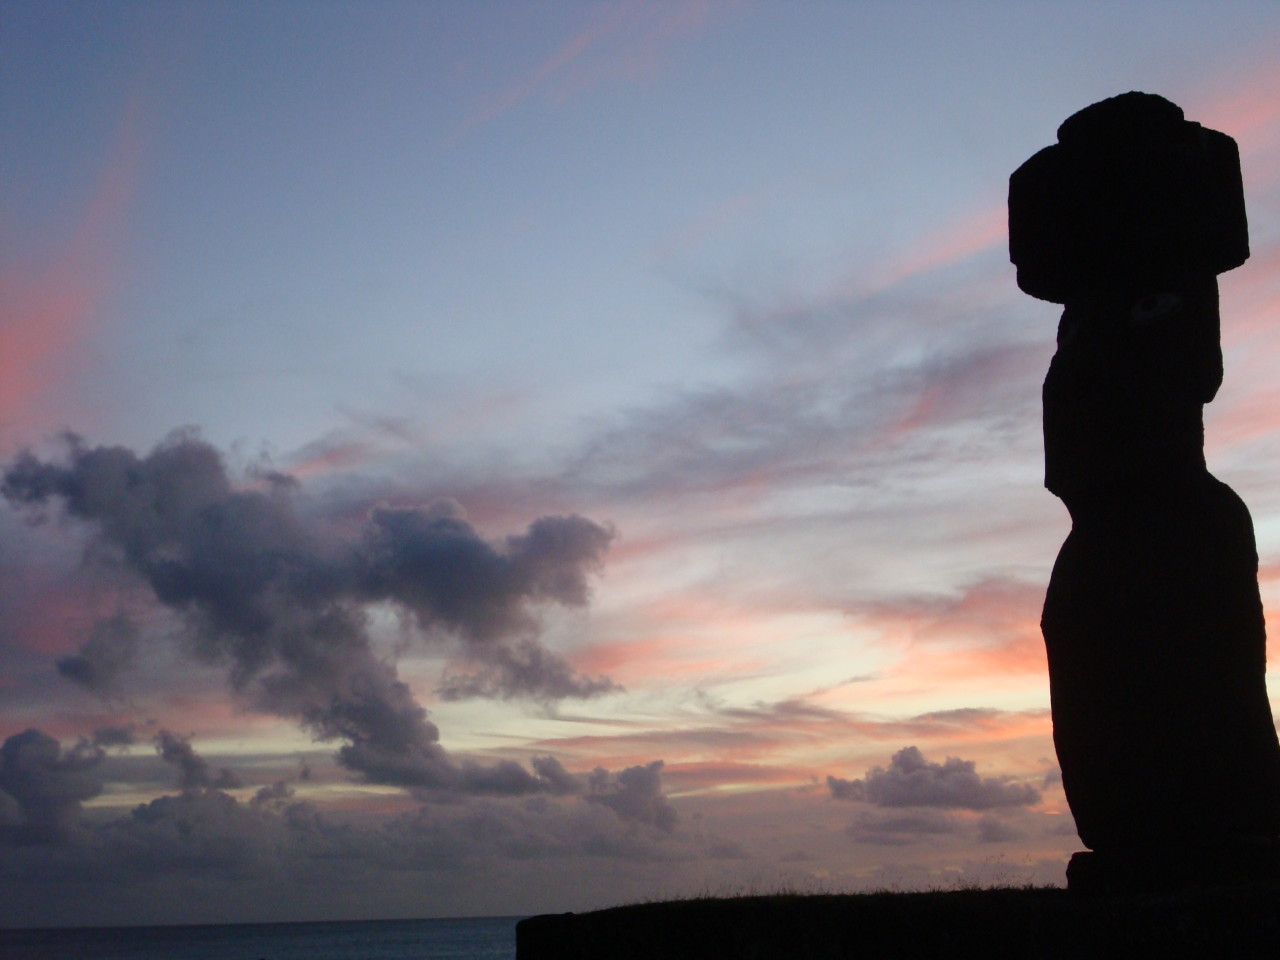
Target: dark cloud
911, 781
901, 829
994, 830
279, 597
273, 795
47, 785
118, 736
1063, 827
718, 848
845, 789
523, 669
109, 651
431, 560
204, 842
196, 832
559, 781
634, 794
194, 772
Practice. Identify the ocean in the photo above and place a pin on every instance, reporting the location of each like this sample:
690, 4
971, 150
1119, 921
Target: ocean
477, 938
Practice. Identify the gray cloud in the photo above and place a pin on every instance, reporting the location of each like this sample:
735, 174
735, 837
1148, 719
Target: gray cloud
279, 597
845, 789
47, 785
634, 794
523, 669
994, 830
901, 829
273, 795
1064, 827
559, 781
911, 781
107, 653
117, 736
204, 841
194, 772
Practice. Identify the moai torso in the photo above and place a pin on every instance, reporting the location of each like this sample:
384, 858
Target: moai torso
1125, 392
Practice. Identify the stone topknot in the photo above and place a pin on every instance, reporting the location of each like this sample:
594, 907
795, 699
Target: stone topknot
1126, 116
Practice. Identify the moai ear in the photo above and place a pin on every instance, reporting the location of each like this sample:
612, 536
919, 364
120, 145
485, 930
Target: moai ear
1131, 192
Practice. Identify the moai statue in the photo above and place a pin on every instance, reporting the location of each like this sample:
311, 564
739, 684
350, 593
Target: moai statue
1152, 622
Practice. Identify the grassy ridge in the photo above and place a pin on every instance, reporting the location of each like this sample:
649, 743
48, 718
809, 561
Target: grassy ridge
1039, 923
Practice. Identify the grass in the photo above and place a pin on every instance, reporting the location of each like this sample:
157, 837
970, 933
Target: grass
753, 922
998, 874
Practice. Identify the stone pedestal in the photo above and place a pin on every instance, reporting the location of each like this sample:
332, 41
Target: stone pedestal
1173, 868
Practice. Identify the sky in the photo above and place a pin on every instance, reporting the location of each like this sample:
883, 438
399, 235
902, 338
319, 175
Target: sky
490, 459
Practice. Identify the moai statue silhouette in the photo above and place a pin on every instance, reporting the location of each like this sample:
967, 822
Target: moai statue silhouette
1152, 621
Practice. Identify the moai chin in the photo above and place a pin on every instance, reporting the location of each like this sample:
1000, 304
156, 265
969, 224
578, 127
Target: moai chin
1152, 621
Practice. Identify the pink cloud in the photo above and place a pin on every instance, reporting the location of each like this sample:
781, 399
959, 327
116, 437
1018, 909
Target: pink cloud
949, 244
708, 775
677, 647
628, 40
710, 223
1249, 112
993, 623
588, 36
50, 612
791, 742
50, 302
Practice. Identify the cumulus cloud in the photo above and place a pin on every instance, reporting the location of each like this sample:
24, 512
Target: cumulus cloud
994, 830
634, 794
911, 781
47, 785
194, 772
114, 736
205, 839
107, 653
280, 598
559, 781
272, 795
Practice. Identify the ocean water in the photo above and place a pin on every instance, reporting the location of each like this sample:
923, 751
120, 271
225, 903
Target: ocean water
477, 938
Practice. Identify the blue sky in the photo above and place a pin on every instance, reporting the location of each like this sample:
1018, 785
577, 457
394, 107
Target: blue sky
725, 281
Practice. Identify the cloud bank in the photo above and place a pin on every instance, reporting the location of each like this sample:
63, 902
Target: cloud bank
912, 781
280, 598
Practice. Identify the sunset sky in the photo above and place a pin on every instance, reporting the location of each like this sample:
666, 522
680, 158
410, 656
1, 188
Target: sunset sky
497, 458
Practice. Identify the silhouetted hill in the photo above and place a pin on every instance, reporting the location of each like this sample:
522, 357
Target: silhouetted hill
1040, 923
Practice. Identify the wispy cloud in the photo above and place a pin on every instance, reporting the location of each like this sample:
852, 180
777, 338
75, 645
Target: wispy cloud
621, 40
49, 302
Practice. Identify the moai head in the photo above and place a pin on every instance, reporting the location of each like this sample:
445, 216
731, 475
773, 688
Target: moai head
1130, 196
